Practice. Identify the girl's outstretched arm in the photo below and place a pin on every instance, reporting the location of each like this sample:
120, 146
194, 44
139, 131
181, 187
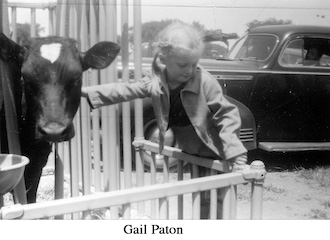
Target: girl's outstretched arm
112, 93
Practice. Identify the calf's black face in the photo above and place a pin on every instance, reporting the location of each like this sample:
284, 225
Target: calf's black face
52, 71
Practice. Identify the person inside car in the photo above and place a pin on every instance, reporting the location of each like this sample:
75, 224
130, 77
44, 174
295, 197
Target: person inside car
187, 99
313, 57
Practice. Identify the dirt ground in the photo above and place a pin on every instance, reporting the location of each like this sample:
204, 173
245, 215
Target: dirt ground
287, 195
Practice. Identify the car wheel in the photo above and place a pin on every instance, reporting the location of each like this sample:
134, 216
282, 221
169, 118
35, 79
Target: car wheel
151, 133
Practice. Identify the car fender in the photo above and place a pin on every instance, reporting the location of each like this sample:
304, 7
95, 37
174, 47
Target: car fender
248, 133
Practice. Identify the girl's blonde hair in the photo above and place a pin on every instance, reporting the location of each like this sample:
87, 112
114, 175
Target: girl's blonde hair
174, 35
179, 35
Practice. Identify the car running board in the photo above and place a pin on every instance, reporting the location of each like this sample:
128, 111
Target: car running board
294, 146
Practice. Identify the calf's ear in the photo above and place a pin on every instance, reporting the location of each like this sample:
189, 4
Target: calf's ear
100, 55
9, 50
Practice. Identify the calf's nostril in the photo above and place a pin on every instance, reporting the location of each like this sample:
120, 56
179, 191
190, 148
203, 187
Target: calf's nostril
65, 132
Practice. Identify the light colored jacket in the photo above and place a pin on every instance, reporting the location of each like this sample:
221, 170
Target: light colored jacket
215, 119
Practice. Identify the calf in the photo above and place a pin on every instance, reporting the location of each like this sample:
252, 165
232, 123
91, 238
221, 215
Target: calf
47, 76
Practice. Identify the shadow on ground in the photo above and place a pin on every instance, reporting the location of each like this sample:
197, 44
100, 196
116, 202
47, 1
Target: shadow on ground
290, 161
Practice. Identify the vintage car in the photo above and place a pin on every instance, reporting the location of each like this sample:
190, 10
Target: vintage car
279, 77
273, 72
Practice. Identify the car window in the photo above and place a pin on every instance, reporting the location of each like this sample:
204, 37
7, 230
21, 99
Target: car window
253, 47
306, 52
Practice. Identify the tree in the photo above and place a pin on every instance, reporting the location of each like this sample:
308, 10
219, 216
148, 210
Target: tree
151, 29
269, 21
23, 32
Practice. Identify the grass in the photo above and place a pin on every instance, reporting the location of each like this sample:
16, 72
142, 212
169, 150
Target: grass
307, 197
318, 174
244, 192
271, 188
318, 214
326, 204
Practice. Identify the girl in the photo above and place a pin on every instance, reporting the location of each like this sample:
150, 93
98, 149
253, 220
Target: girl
185, 98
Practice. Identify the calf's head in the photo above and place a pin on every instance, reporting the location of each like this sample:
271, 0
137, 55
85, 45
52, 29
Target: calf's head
52, 70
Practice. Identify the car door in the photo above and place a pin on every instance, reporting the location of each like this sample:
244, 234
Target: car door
292, 102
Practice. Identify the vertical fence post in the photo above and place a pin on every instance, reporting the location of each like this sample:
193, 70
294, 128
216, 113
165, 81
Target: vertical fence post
51, 22
75, 143
59, 148
153, 174
163, 202
112, 129
14, 23
225, 193
214, 200
180, 197
126, 114
96, 113
85, 123
61, 19
138, 104
257, 190
33, 23
233, 201
196, 196
104, 111
59, 174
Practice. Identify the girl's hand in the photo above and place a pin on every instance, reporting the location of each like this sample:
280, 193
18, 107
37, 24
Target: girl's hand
238, 163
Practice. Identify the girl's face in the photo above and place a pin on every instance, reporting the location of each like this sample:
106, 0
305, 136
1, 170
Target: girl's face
181, 64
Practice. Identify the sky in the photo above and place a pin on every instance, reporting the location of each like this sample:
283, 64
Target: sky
231, 16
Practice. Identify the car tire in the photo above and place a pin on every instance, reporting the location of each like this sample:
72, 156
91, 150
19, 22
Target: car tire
151, 133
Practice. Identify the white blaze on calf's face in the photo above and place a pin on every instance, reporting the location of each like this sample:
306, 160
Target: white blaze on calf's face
51, 51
